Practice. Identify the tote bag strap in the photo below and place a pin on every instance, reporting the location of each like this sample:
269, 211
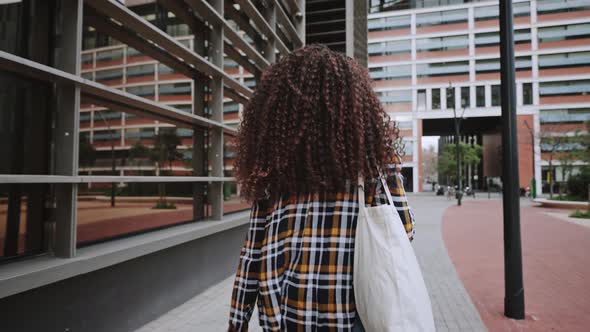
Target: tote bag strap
385, 187
361, 189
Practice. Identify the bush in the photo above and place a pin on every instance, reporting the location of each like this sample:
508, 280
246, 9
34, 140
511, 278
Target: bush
578, 184
580, 214
164, 205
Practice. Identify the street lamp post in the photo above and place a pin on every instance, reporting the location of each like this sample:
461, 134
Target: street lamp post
514, 289
458, 156
457, 121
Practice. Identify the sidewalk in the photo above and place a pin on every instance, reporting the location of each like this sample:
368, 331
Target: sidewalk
556, 265
452, 307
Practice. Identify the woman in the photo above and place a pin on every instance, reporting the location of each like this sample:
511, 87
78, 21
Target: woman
312, 127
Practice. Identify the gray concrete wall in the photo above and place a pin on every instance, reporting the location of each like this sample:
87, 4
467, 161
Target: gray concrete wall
125, 296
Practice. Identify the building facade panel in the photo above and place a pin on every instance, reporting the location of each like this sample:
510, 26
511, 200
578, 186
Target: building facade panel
446, 55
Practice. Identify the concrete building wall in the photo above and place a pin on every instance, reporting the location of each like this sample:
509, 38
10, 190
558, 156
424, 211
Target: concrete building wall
428, 58
123, 297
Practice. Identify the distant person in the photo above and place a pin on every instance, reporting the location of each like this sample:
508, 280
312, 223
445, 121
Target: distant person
312, 127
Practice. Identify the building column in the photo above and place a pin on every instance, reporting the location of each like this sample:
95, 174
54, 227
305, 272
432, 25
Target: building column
199, 158
215, 192
67, 51
537, 153
270, 15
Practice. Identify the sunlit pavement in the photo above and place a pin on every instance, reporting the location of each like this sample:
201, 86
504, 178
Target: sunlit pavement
556, 264
452, 307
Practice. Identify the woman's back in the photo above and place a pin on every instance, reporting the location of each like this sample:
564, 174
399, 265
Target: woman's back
297, 260
314, 125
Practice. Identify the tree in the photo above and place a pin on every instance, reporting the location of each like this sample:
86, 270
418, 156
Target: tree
566, 149
165, 150
137, 153
87, 154
430, 164
447, 162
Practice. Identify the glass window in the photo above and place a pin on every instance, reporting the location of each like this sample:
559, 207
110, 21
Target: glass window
480, 96
164, 70
496, 95
188, 108
87, 58
139, 133
178, 30
527, 93
487, 39
231, 107
105, 135
142, 91
493, 65
442, 69
487, 13
230, 64
405, 124
523, 63
444, 17
421, 105
141, 70
389, 23
564, 60
85, 116
88, 76
390, 48
450, 98
395, 97
559, 6
465, 103
250, 82
564, 88
521, 9
131, 52
408, 147
564, 32
101, 116
442, 43
109, 55
109, 75
565, 115
391, 73
436, 99
175, 89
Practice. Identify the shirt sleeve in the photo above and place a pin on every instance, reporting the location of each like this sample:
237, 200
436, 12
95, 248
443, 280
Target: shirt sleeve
246, 283
400, 200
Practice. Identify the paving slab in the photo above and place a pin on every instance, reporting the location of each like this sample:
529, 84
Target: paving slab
556, 265
453, 309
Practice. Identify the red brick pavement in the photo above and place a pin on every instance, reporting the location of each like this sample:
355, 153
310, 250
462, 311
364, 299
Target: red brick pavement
556, 264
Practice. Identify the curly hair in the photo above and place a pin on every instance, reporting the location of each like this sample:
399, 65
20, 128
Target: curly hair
313, 122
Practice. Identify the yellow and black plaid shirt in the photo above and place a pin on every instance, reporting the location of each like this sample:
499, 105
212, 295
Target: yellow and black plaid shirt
297, 260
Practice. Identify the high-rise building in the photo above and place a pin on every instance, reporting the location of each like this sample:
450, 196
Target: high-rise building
432, 59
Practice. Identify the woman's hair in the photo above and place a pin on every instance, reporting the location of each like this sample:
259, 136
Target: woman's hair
314, 121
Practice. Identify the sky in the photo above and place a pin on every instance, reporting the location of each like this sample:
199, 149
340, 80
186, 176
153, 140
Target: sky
428, 141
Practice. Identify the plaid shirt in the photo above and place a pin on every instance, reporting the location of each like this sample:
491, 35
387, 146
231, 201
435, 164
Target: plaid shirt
297, 259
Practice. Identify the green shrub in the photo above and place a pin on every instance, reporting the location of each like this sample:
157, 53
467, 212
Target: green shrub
164, 205
581, 214
578, 184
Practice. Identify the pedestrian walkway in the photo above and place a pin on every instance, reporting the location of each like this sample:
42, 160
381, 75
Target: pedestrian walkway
556, 265
452, 307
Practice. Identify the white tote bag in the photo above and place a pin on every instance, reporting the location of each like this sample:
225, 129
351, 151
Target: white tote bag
389, 290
